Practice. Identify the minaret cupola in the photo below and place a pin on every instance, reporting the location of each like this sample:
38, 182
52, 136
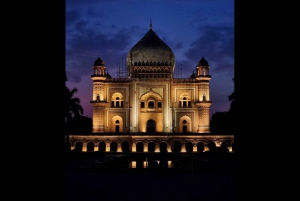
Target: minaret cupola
99, 69
202, 68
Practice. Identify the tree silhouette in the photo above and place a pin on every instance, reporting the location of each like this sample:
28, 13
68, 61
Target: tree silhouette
223, 122
231, 98
73, 107
80, 125
220, 123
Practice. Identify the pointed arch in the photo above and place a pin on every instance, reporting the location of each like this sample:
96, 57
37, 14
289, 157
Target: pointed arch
150, 94
90, 146
113, 146
125, 146
185, 124
163, 147
140, 147
189, 147
101, 146
185, 100
177, 146
117, 100
117, 124
151, 126
150, 101
200, 146
78, 146
151, 146
212, 146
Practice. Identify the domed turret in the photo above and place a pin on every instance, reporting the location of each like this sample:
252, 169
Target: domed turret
202, 68
150, 50
193, 75
99, 62
202, 62
108, 75
99, 69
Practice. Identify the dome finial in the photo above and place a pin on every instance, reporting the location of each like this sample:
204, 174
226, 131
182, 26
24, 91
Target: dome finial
150, 23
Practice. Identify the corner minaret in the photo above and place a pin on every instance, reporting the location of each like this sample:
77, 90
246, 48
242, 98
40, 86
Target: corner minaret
204, 102
99, 98
99, 68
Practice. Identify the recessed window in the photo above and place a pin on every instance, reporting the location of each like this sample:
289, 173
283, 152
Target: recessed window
185, 102
117, 102
150, 104
159, 105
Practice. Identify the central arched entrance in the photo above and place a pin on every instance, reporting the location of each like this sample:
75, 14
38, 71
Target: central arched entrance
151, 126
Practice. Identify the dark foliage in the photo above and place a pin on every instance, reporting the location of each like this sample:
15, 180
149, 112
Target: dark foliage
223, 122
80, 125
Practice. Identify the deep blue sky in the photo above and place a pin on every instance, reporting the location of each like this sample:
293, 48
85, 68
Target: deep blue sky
191, 28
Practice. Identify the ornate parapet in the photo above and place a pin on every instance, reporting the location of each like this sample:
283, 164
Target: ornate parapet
99, 103
203, 103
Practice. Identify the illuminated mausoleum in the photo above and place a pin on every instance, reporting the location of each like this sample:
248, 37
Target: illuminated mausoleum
150, 110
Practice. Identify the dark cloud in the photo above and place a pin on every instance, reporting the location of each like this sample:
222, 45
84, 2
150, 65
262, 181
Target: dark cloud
198, 18
75, 3
79, 63
184, 69
81, 25
101, 42
72, 16
92, 12
178, 46
216, 45
86, 45
73, 76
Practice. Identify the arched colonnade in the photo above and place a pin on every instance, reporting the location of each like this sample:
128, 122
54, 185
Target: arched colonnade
151, 143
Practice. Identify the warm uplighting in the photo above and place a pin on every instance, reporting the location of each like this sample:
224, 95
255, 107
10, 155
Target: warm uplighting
132, 164
96, 143
170, 164
145, 164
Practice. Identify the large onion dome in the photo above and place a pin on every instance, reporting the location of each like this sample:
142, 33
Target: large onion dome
150, 50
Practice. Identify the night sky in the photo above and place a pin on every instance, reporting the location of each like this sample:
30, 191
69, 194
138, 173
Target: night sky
191, 28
